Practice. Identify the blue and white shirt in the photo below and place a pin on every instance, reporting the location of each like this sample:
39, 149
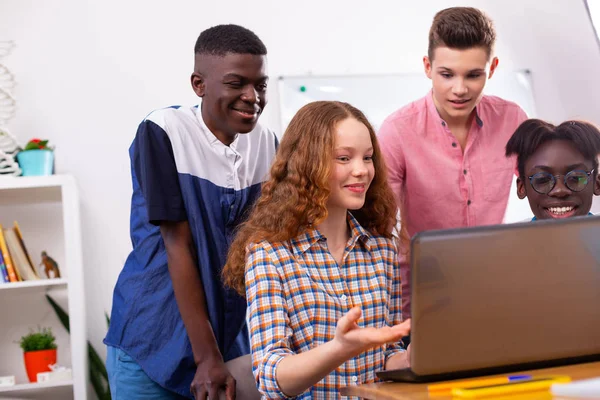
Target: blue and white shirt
181, 171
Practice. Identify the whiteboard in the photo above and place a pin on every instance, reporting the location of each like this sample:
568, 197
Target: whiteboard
380, 95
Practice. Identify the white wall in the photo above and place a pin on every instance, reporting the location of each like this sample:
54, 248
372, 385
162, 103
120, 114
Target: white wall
89, 71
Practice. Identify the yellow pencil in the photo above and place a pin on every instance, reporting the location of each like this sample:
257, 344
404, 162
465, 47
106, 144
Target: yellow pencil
536, 384
446, 386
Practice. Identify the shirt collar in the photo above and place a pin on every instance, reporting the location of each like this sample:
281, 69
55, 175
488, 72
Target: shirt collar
211, 138
304, 241
433, 111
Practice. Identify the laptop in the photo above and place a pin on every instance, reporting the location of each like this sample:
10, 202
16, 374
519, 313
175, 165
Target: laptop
503, 298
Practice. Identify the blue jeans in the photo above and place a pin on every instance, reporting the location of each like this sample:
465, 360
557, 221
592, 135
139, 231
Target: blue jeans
128, 381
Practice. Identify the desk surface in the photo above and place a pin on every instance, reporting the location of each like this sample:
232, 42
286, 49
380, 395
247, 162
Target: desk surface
418, 391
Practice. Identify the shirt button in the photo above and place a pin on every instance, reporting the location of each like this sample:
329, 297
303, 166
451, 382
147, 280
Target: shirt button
464, 171
453, 144
343, 297
468, 202
443, 123
354, 378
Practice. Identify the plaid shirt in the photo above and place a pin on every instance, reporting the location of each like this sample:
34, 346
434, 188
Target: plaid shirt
297, 292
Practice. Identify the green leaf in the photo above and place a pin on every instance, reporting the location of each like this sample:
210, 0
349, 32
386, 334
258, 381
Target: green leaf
60, 313
96, 361
31, 146
98, 374
96, 383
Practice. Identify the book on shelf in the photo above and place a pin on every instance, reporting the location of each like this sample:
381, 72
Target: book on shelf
12, 273
16, 263
20, 237
3, 272
17, 253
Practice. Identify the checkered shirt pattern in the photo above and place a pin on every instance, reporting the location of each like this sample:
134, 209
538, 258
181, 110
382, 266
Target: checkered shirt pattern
297, 292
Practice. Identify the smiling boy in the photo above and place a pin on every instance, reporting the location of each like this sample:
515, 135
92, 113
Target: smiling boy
445, 152
195, 172
557, 166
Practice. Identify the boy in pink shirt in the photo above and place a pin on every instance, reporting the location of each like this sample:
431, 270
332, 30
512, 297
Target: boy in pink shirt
445, 152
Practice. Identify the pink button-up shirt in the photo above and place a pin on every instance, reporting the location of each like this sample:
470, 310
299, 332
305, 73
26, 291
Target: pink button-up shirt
442, 186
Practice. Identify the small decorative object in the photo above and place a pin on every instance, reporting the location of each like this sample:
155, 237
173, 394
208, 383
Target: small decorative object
8, 104
39, 352
8, 380
50, 266
7, 79
58, 373
37, 158
6, 46
8, 150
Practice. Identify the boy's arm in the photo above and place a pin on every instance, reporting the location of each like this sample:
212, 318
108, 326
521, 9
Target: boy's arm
279, 371
156, 171
389, 138
395, 355
211, 374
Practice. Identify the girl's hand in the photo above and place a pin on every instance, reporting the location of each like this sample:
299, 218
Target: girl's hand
351, 337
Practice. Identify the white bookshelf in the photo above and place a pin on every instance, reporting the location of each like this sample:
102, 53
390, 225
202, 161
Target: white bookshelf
47, 210
41, 390
41, 285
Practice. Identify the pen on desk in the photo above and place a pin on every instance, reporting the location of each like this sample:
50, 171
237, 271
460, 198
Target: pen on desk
519, 387
438, 387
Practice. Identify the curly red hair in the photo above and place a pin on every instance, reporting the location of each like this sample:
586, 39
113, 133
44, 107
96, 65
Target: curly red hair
295, 196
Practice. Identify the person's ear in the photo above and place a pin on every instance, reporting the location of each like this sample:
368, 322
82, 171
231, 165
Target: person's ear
198, 84
597, 185
493, 66
521, 192
427, 66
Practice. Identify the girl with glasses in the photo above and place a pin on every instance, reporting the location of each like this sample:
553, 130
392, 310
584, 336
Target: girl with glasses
557, 167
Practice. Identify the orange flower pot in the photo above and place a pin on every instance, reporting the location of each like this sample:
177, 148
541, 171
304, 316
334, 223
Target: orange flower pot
38, 361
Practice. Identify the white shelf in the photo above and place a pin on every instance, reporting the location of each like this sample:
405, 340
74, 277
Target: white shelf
27, 182
24, 190
37, 284
47, 209
41, 388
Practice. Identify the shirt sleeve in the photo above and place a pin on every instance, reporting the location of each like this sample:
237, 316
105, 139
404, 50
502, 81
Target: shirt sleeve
521, 117
395, 305
390, 145
154, 166
268, 320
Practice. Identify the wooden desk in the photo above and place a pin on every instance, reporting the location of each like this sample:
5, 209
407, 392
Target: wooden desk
418, 391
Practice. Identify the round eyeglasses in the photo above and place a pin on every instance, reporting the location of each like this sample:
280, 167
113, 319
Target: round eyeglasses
575, 181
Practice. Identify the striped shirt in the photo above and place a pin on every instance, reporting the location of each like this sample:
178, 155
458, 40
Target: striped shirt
297, 292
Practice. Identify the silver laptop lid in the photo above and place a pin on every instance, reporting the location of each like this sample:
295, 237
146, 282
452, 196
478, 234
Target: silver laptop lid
506, 294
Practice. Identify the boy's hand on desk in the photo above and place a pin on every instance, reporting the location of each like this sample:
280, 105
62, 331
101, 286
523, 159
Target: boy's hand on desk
399, 360
356, 340
212, 377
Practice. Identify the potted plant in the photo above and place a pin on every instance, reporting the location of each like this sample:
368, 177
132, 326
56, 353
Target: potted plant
39, 352
37, 158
